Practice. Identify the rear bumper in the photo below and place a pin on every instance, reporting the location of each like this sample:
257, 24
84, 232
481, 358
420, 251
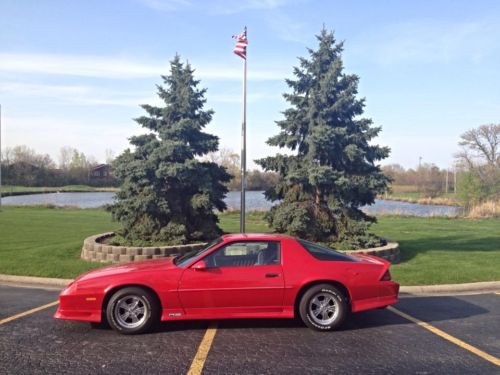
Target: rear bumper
388, 295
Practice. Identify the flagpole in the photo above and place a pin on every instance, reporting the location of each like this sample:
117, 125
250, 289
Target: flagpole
243, 148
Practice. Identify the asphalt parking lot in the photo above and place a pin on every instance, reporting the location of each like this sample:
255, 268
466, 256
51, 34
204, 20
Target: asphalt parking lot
372, 342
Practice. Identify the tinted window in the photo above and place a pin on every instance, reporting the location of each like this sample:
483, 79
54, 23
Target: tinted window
182, 260
245, 254
325, 253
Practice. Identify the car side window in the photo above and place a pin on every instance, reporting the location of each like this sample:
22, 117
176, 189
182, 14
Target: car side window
245, 254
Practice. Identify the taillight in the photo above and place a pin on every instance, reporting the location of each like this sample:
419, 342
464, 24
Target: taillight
386, 276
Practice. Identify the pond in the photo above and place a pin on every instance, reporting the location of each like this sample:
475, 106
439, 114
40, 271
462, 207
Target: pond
254, 201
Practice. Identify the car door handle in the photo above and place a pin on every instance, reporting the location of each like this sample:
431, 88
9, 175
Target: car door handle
272, 274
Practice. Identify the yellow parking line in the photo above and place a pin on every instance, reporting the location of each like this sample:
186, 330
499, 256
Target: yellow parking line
203, 349
444, 335
17, 316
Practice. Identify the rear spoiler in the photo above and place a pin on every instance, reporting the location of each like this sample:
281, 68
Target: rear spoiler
384, 262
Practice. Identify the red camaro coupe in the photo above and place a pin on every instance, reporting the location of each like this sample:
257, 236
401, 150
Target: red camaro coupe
236, 276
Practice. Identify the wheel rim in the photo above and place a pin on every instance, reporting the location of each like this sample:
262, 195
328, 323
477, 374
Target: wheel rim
130, 311
323, 309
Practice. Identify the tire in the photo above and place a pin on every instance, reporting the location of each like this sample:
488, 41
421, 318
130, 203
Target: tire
323, 307
132, 310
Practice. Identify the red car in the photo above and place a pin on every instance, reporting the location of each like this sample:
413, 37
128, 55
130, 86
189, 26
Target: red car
236, 276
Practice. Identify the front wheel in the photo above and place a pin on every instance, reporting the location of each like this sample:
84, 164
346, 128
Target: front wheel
323, 307
132, 310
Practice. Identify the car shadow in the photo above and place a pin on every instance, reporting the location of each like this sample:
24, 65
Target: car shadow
428, 309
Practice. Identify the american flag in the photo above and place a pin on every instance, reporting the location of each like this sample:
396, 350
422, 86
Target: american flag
241, 44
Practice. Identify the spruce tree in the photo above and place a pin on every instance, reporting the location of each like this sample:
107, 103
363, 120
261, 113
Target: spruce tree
168, 194
331, 169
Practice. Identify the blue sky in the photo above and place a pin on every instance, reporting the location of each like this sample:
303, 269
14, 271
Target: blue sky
72, 73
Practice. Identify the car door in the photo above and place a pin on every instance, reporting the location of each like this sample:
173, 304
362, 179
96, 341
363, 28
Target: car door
240, 278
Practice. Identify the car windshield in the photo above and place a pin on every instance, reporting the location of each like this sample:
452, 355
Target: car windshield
324, 253
182, 260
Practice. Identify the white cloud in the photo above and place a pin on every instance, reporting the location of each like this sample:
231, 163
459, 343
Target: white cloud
83, 65
425, 41
94, 95
287, 28
216, 6
120, 68
167, 5
74, 94
233, 7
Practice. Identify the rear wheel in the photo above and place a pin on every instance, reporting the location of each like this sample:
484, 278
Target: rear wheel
132, 310
323, 307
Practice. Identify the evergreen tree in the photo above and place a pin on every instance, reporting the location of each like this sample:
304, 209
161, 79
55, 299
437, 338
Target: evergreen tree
168, 194
331, 171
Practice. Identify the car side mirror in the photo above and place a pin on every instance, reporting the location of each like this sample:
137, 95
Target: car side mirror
200, 266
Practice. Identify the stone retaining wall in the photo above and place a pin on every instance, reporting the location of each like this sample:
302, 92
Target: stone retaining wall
389, 252
94, 250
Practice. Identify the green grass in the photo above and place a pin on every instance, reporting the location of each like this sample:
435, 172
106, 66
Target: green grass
443, 250
46, 242
254, 223
434, 250
39, 241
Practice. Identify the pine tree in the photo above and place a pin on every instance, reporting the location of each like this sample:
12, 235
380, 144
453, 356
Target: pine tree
331, 170
168, 194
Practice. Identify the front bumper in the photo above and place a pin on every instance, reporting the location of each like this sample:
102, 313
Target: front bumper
79, 304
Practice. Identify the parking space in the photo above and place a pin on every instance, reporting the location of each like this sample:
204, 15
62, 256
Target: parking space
376, 341
15, 300
474, 319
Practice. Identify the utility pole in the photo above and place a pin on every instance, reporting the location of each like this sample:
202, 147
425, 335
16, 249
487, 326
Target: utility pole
455, 179
419, 162
446, 180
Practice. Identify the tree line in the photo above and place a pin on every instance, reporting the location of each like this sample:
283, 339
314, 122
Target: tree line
255, 178
475, 177
23, 166
479, 164
427, 179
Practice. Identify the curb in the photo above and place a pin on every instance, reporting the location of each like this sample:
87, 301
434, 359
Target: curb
484, 286
38, 281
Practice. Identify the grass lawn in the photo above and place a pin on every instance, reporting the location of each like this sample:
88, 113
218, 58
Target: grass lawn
39, 241
442, 250
46, 242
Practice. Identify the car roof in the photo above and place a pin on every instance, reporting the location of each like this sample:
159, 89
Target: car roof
255, 237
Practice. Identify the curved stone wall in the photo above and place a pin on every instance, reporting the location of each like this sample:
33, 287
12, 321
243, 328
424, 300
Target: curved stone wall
389, 252
94, 250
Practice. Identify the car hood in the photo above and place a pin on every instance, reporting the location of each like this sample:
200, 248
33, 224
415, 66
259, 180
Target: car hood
133, 267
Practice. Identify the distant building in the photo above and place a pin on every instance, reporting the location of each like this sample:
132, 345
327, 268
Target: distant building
101, 175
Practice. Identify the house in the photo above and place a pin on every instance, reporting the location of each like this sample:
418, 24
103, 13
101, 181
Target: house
101, 175
100, 171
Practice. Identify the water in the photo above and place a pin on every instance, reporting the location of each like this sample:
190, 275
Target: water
254, 201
